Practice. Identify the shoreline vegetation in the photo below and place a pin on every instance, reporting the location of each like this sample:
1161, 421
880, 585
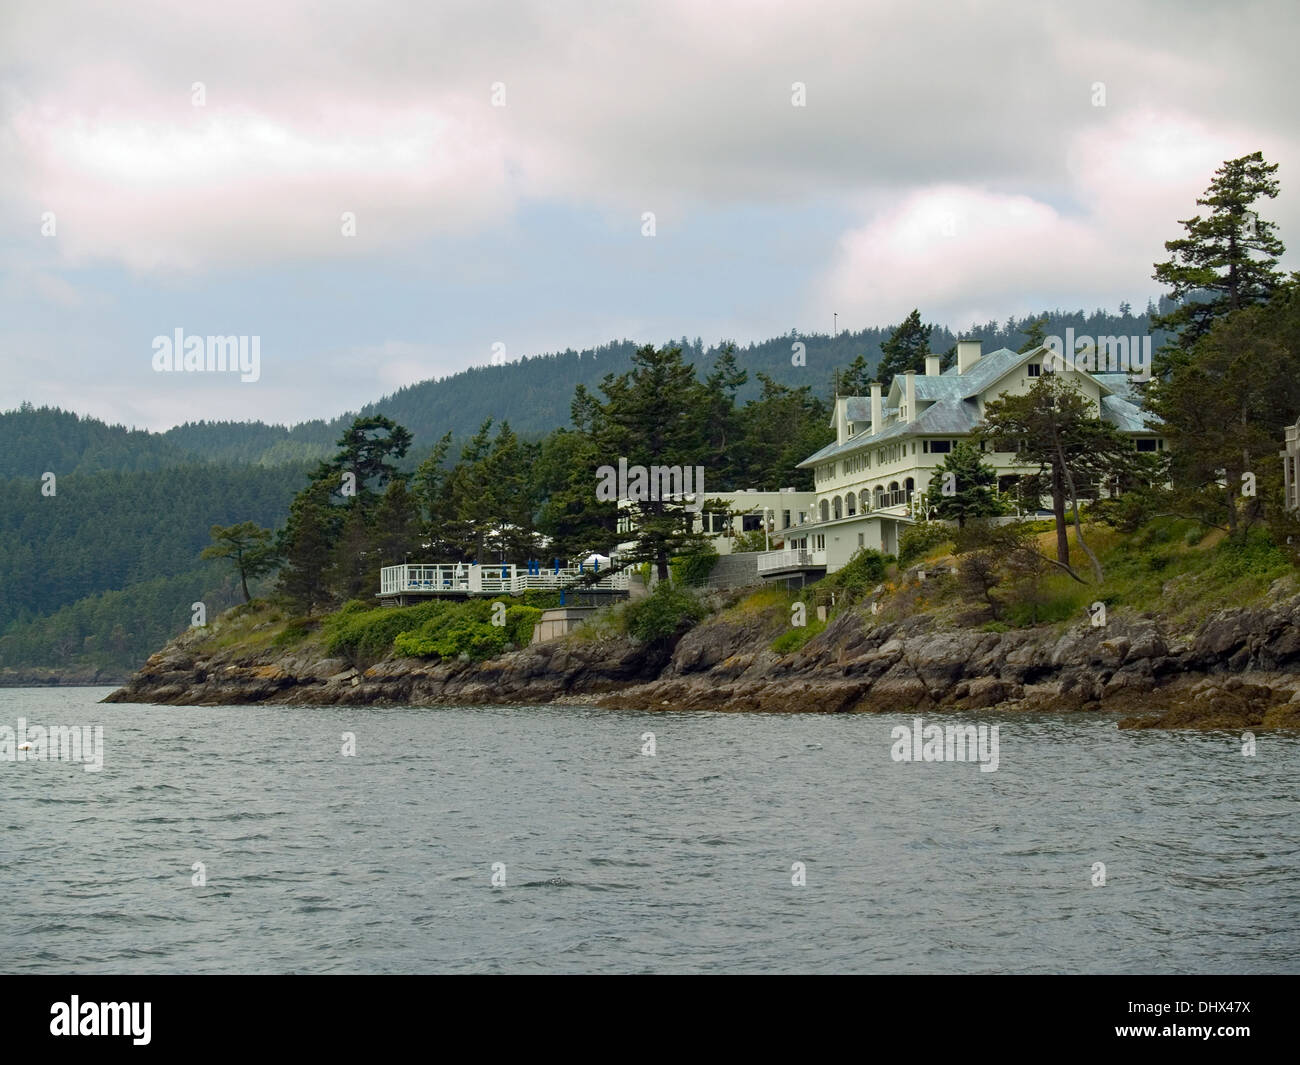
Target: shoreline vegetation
1197, 631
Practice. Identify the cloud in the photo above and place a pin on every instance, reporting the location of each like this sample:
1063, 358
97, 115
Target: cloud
966, 254
673, 107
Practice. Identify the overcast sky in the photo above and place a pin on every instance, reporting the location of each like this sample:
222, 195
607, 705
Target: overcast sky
947, 156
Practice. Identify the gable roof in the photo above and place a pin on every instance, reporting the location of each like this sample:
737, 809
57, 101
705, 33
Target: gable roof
857, 408
954, 410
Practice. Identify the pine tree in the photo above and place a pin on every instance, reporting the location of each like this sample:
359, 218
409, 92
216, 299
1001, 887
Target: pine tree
1056, 426
905, 349
306, 544
856, 380
1037, 334
721, 418
1223, 410
1214, 270
571, 517
396, 525
367, 449
973, 486
248, 546
352, 560
655, 415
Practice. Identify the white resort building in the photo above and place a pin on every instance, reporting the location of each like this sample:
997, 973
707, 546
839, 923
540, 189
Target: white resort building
870, 481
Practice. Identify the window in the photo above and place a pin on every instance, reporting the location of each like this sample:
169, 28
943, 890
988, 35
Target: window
1034, 369
1146, 445
785, 519
940, 447
750, 522
861, 542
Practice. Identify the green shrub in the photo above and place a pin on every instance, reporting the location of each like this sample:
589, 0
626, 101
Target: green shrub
369, 633
918, 540
694, 569
865, 569
467, 629
294, 632
519, 624
540, 597
754, 540
667, 611
1257, 557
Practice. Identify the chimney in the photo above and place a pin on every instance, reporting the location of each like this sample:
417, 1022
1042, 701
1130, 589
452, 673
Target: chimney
877, 408
909, 392
968, 354
932, 365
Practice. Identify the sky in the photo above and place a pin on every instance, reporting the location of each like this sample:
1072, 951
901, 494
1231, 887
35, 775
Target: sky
390, 192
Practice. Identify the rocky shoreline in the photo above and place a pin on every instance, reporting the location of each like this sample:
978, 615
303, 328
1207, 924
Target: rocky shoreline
1237, 669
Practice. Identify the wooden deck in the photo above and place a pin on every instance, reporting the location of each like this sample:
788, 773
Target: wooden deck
461, 580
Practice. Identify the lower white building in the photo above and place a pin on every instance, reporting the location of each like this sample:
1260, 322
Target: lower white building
778, 513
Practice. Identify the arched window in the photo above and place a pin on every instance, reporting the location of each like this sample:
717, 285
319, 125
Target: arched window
880, 496
909, 486
850, 504
837, 505
826, 510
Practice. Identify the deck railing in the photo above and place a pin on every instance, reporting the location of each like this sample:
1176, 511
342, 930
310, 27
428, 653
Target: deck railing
795, 559
466, 578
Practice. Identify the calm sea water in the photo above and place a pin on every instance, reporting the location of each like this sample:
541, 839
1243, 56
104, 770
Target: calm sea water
615, 861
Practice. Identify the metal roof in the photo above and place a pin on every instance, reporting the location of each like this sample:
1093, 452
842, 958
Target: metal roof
953, 408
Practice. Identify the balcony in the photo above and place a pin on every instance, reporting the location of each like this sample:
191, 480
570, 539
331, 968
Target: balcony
790, 561
463, 578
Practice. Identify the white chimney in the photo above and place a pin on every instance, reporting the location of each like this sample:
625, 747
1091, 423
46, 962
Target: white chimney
932, 365
877, 408
968, 354
909, 392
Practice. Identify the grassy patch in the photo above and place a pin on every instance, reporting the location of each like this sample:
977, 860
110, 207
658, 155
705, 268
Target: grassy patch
795, 637
774, 600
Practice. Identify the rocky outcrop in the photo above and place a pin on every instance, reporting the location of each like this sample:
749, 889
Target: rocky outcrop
1238, 669
183, 674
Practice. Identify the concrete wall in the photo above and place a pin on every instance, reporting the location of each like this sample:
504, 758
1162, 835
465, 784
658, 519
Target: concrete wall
560, 621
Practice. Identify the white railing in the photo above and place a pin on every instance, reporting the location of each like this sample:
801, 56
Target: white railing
451, 578
796, 559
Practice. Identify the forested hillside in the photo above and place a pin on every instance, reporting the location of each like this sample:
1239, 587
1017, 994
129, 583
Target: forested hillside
108, 531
